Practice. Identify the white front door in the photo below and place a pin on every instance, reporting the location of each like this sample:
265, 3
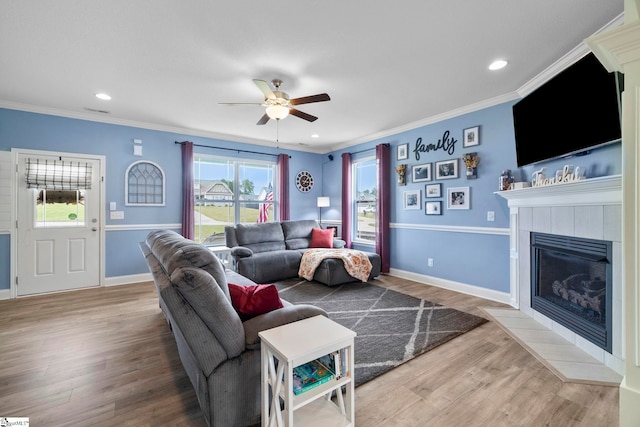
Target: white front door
58, 231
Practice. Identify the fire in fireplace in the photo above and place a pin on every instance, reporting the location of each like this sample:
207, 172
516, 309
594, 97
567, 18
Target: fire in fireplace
571, 284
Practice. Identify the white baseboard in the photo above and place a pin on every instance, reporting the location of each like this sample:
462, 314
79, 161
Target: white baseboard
464, 288
126, 280
5, 294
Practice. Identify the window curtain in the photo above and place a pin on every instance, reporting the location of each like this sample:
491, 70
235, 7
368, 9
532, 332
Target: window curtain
346, 198
59, 175
383, 204
283, 186
188, 197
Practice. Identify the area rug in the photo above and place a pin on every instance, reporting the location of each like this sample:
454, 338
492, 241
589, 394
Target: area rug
391, 327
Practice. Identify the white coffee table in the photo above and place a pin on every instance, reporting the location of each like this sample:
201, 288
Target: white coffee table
292, 345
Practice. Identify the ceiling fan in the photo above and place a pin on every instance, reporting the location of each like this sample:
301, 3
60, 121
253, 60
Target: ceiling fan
279, 105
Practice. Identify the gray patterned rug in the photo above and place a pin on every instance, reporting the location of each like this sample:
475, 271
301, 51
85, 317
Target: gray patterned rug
392, 327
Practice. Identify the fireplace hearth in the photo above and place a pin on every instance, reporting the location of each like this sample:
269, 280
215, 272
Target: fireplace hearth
571, 284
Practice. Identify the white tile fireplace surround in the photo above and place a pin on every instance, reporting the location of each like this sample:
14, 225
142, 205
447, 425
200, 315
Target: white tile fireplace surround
589, 208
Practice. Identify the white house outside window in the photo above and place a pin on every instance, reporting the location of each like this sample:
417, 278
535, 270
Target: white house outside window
365, 195
231, 191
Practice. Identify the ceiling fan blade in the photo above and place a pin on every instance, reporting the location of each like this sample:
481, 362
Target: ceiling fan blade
309, 99
265, 88
263, 120
305, 116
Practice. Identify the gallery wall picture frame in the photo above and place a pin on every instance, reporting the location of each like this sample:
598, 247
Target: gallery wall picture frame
447, 169
421, 173
412, 200
432, 191
459, 198
471, 137
403, 152
433, 208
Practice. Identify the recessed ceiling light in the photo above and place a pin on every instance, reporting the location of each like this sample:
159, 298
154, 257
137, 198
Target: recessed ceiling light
498, 64
103, 96
315, 135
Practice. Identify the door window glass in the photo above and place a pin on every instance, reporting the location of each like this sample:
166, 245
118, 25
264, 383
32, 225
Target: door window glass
56, 208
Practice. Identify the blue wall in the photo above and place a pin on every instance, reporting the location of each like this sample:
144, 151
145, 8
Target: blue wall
26, 130
465, 247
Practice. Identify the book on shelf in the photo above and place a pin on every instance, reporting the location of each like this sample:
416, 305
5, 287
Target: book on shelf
311, 375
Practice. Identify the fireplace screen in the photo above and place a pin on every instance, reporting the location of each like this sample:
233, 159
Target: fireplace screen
571, 284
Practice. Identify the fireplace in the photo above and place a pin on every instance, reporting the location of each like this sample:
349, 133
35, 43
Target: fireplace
571, 284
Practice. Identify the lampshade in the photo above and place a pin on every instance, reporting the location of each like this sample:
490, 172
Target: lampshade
323, 202
277, 112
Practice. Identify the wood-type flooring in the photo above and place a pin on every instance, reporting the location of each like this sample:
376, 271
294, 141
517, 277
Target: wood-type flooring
106, 357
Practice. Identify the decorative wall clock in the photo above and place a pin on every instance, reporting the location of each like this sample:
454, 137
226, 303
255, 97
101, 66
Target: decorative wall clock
304, 181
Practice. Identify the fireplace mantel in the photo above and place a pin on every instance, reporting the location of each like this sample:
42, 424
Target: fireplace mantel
589, 208
606, 190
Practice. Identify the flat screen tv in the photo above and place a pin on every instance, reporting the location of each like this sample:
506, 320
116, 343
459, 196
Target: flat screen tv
577, 110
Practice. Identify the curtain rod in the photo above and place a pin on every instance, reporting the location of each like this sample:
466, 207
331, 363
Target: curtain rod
231, 149
369, 149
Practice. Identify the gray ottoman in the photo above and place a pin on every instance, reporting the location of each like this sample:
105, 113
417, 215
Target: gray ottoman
331, 271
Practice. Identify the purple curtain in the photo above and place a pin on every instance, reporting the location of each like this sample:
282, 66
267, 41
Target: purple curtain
346, 198
383, 204
283, 187
188, 198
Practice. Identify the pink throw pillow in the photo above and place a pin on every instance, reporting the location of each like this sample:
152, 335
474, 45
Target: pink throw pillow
253, 300
321, 238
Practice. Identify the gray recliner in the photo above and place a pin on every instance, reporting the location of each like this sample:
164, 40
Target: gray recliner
220, 353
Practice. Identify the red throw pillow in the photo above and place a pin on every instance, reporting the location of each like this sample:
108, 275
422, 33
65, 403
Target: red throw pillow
321, 238
253, 300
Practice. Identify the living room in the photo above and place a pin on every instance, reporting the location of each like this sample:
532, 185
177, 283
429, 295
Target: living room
457, 238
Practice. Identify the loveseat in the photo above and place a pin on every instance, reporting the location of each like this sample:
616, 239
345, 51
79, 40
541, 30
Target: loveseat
219, 351
271, 251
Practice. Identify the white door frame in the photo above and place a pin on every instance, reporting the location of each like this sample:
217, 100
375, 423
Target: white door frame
15, 152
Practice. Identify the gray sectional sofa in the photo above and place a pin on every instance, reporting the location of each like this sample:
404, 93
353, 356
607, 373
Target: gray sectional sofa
272, 251
220, 353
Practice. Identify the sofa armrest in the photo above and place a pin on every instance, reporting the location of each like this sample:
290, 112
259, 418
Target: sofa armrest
241, 252
279, 317
339, 243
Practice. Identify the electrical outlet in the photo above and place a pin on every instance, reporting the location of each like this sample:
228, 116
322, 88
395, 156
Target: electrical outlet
430, 262
491, 216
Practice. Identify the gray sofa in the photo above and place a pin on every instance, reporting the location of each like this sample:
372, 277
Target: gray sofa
272, 251
220, 353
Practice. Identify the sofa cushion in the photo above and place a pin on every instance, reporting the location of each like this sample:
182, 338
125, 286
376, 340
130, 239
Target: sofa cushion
321, 238
297, 234
261, 237
196, 255
206, 298
253, 300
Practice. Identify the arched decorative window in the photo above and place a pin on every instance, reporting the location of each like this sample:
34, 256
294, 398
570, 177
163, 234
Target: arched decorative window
145, 184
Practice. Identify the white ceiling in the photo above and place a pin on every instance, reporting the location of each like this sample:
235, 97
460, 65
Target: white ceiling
388, 66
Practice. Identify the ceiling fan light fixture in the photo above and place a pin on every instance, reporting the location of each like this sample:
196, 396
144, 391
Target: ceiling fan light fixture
277, 112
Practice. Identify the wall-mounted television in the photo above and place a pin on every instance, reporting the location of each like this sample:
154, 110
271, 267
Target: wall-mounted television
576, 110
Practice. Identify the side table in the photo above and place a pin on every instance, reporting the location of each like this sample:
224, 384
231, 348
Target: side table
285, 347
224, 254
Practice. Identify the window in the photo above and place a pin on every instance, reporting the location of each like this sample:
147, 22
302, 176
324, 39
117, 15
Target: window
56, 208
365, 194
58, 187
230, 191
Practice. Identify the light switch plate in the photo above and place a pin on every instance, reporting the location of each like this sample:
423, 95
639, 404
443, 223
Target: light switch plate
117, 215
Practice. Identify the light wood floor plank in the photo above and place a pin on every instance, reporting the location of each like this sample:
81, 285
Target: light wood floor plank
106, 356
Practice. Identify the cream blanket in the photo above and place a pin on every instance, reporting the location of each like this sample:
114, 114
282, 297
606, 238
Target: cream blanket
355, 262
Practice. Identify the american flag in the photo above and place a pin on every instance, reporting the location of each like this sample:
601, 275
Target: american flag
263, 215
